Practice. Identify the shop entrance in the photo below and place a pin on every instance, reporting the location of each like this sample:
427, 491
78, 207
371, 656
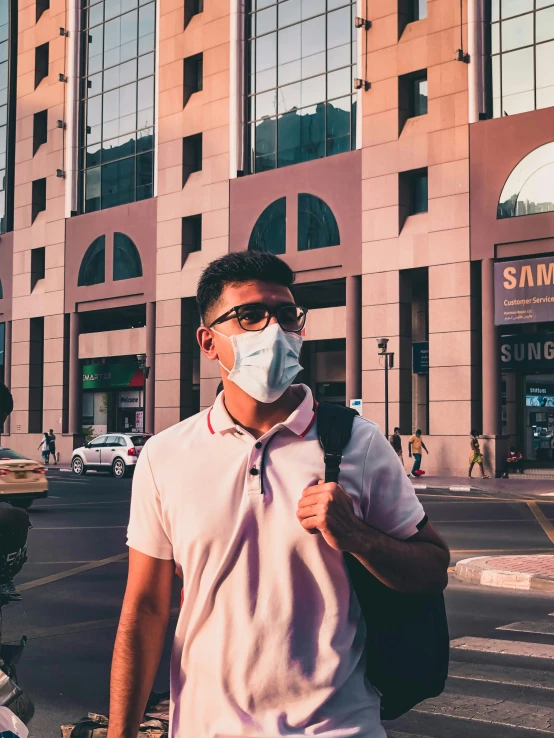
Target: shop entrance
539, 417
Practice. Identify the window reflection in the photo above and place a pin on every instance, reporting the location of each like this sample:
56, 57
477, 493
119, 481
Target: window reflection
269, 233
310, 61
118, 106
317, 226
4, 36
530, 187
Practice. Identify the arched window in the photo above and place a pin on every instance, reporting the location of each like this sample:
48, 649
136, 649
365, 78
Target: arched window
530, 187
317, 226
126, 258
93, 266
270, 232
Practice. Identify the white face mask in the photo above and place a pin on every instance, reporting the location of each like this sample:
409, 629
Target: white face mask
266, 362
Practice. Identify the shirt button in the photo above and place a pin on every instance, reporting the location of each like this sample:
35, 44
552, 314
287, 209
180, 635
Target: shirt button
254, 472
259, 444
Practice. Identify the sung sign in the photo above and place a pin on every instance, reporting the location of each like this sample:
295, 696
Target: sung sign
524, 291
529, 352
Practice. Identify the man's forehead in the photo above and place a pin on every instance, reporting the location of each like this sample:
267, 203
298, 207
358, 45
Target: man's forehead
237, 294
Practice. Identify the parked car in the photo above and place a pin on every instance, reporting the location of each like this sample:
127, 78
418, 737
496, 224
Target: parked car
22, 480
116, 453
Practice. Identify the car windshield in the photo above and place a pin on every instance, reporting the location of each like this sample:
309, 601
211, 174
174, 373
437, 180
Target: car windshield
7, 454
139, 440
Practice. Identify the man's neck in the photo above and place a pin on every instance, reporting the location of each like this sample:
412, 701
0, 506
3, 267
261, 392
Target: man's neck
259, 417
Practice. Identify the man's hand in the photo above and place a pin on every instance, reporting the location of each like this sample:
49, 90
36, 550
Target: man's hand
327, 509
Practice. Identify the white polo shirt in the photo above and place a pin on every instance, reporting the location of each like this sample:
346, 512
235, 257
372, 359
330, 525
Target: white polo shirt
270, 638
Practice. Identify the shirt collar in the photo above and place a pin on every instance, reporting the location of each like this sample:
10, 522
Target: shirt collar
299, 422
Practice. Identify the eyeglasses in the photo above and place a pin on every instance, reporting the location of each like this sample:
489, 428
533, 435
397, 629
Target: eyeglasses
256, 317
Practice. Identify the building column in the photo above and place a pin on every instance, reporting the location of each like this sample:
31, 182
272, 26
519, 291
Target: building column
151, 362
7, 367
353, 338
491, 359
75, 378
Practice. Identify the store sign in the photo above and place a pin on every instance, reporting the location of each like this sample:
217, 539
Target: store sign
111, 376
524, 291
420, 357
140, 421
358, 406
129, 400
527, 352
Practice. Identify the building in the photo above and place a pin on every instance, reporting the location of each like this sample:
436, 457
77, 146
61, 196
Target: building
369, 144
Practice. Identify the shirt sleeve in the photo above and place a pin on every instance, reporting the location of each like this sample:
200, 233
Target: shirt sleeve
393, 505
146, 532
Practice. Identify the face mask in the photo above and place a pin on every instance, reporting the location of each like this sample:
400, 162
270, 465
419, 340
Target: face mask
266, 362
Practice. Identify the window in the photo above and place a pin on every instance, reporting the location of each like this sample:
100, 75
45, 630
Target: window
522, 55
98, 442
126, 258
93, 267
412, 96
192, 155
193, 76
1, 291
40, 129
36, 374
192, 8
42, 5
270, 232
530, 187
317, 226
8, 73
118, 107
301, 64
38, 266
41, 63
191, 236
38, 198
414, 197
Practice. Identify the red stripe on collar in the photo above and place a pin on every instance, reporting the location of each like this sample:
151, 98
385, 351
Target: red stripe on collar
312, 421
209, 422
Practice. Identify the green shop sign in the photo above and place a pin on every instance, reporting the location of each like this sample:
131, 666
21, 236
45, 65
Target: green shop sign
111, 376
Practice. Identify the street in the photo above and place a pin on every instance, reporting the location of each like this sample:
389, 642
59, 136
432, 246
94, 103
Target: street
74, 581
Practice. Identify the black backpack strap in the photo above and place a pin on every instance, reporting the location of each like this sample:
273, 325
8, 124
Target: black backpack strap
334, 428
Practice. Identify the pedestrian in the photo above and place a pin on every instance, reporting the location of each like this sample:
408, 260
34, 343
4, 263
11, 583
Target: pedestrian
396, 443
475, 455
270, 639
44, 447
52, 445
514, 463
415, 445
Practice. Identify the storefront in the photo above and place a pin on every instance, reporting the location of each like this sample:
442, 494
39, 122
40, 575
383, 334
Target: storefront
113, 397
524, 310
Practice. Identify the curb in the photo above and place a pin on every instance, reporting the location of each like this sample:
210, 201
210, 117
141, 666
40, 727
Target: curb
454, 488
476, 571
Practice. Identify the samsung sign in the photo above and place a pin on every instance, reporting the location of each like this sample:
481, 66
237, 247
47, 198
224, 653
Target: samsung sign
527, 352
524, 291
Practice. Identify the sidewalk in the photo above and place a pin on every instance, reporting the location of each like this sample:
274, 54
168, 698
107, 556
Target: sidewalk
534, 573
515, 486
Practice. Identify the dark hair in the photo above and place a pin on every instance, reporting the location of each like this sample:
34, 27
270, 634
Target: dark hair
396, 429
418, 431
237, 268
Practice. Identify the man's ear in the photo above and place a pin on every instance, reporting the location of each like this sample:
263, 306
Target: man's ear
206, 343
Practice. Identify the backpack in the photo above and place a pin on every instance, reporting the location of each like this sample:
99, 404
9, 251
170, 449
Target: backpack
408, 644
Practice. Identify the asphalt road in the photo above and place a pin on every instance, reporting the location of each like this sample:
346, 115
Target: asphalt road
74, 581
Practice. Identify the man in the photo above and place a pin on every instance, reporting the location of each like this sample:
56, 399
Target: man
270, 640
396, 443
514, 463
415, 444
52, 444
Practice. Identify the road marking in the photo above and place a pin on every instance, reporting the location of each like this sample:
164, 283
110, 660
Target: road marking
81, 504
73, 572
509, 648
473, 498
542, 520
521, 551
492, 711
494, 674
500, 520
396, 734
58, 563
542, 628
85, 527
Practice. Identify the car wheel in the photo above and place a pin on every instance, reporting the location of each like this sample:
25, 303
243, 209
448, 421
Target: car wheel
78, 466
22, 504
118, 468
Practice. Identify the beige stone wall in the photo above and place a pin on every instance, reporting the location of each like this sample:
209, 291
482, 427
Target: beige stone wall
438, 239
112, 343
205, 192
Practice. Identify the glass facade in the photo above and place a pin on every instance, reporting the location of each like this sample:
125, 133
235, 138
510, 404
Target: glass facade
4, 99
530, 187
118, 102
301, 66
522, 54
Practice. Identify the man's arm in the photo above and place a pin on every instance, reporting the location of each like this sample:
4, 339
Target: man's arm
425, 447
139, 641
410, 448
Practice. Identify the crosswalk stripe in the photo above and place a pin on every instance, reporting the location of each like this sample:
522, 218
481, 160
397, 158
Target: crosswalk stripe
492, 711
511, 648
396, 734
542, 628
494, 674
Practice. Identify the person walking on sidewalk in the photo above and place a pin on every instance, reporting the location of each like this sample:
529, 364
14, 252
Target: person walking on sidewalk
396, 443
44, 448
415, 445
270, 640
52, 445
475, 455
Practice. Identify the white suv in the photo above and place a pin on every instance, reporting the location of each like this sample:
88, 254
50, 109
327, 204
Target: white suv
116, 453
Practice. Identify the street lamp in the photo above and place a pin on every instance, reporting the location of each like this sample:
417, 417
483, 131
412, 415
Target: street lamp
141, 358
382, 344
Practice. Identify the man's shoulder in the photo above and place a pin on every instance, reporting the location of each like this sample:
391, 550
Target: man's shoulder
179, 436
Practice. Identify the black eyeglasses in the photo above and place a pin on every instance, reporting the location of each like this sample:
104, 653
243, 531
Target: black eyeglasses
256, 317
